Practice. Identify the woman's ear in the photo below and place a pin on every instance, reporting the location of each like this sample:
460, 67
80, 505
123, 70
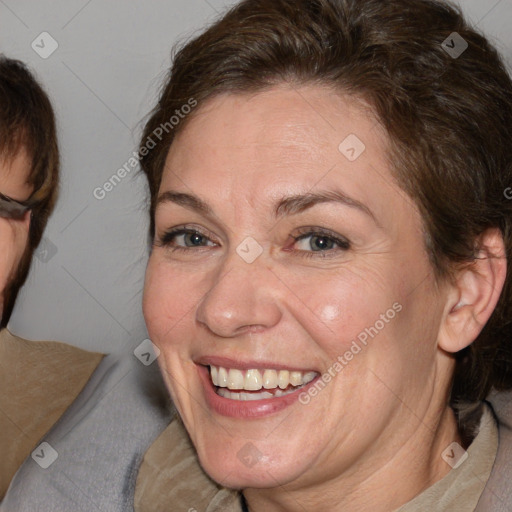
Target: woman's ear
474, 294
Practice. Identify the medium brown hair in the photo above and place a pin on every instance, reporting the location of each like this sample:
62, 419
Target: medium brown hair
448, 118
27, 121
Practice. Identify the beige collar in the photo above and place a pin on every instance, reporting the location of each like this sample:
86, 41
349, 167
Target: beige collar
171, 478
462, 487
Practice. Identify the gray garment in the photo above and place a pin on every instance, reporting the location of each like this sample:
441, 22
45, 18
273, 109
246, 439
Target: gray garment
497, 495
100, 441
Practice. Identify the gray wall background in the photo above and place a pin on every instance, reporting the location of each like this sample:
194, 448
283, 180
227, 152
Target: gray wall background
85, 285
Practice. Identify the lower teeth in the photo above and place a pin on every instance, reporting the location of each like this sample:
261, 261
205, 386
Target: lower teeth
226, 393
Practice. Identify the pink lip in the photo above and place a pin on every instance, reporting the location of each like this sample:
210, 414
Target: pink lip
245, 409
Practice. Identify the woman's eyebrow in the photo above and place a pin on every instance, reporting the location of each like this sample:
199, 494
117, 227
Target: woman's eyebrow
298, 203
188, 201
290, 205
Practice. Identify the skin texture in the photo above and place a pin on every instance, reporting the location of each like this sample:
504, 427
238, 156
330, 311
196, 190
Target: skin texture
383, 421
14, 173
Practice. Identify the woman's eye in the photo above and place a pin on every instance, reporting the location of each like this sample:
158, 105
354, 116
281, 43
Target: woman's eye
320, 243
185, 239
191, 240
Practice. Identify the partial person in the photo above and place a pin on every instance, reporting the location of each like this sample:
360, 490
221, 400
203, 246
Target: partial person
38, 379
97, 414
330, 282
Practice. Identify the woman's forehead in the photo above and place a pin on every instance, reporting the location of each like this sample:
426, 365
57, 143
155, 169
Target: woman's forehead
279, 130
286, 110
282, 140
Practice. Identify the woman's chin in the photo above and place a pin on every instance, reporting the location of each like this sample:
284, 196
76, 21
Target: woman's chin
240, 477
247, 467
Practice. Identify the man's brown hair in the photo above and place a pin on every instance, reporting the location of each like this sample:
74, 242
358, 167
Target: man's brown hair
27, 121
447, 111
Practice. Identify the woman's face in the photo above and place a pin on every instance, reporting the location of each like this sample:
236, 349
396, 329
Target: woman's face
286, 252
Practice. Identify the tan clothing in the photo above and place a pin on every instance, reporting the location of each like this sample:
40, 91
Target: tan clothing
170, 477
462, 487
38, 382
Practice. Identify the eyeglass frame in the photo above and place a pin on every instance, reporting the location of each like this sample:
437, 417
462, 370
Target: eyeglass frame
13, 209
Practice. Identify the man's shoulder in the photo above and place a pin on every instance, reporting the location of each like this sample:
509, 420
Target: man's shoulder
39, 380
39, 352
100, 441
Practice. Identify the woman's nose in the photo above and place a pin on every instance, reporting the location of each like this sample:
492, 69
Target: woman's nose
242, 298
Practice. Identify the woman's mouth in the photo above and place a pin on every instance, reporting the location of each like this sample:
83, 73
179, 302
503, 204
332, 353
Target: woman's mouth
257, 384
250, 393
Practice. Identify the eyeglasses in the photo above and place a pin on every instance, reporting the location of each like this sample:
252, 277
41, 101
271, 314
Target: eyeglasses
12, 209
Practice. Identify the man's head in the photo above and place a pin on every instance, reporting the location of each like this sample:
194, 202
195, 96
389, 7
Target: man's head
29, 165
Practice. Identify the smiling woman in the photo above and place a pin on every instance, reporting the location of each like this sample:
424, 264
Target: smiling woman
345, 159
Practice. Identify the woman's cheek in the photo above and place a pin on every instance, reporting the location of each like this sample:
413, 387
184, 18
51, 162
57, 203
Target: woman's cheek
340, 303
157, 302
349, 318
168, 299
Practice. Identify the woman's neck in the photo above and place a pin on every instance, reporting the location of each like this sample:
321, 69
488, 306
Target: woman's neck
391, 483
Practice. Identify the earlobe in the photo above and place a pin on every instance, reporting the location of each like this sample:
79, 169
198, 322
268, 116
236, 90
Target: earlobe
474, 294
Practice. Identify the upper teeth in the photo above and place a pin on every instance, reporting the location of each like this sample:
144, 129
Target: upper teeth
254, 380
